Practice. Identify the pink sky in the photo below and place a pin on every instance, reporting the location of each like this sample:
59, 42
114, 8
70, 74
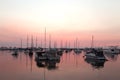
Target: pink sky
64, 20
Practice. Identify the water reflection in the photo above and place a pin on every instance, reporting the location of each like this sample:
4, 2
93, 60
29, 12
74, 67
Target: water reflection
53, 64
111, 56
15, 54
31, 59
70, 66
47, 60
96, 64
50, 65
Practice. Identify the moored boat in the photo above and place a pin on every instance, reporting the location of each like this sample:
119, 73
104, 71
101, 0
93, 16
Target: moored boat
95, 54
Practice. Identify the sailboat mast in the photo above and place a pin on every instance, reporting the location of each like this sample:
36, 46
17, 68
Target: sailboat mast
45, 39
92, 45
49, 41
41, 43
76, 43
21, 43
36, 42
27, 41
32, 45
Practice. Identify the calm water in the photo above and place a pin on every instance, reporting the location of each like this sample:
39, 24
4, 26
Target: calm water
71, 67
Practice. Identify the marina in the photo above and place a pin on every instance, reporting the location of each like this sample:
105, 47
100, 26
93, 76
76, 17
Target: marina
59, 39
69, 66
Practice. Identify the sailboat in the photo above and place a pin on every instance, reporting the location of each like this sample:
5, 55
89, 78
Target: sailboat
52, 53
41, 54
95, 53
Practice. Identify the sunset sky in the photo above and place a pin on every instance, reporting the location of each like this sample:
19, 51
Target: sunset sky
65, 20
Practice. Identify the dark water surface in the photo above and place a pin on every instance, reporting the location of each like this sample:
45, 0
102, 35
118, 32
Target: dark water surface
71, 67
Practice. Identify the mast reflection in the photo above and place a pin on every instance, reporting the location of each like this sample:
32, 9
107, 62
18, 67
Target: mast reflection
31, 63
